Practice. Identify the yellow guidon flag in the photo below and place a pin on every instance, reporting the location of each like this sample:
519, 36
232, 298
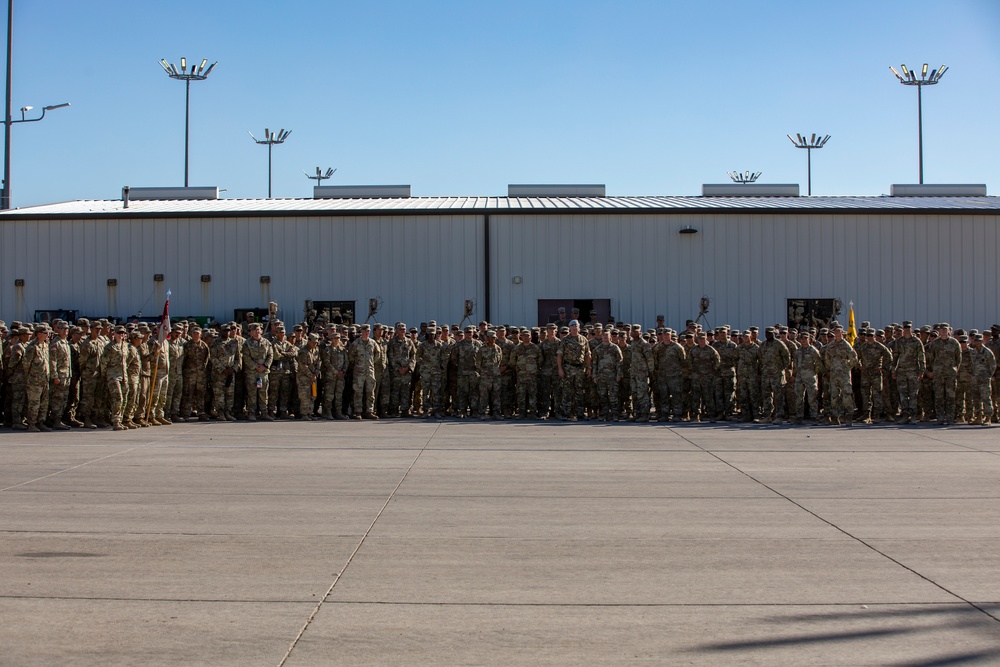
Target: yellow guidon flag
852, 331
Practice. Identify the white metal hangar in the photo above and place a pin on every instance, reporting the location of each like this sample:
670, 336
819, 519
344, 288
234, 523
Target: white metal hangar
516, 259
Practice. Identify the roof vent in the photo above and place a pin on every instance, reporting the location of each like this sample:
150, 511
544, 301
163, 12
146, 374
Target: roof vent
938, 190
361, 191
750, 190
564, 190
159, 194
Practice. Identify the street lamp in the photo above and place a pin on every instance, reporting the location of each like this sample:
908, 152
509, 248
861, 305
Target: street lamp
270, 139
8, 122
321, 175
809, 143
196, 73
909, 78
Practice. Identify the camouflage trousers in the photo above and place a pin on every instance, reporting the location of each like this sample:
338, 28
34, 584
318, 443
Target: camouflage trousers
725, 393
364, 393
256, 396
279, 392
304, 388
573, 391
431, 384
806, 389
945, 387
117, 394
909, 388
382, 389
748, 396
333, 396
926, 398
548, 382
193, 394
175, 393
158, 390
223, 393
37, 402
982, 398
772, 399
963, 399
639, 387
671, 400
526, 389
133, 406
18, 397
703, 396
607, 396
58, 398
508, 394
890, 395
467, 392
841, 395
490, 394
399, 392
871, 395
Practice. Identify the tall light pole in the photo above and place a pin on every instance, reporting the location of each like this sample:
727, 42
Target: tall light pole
909, 78
321, 175
270, 139
8, 121
809, 143
196, 73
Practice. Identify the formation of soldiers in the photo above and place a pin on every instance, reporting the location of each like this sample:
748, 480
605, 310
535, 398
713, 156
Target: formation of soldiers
93, 374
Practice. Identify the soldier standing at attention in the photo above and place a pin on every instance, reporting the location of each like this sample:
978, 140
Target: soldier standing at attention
775, 361
573, 363
607, 366
432, 360
113, 369
874, 358
402, 360
60, 375
704, 361
362, 355
37, 367
908, 368
944, 364
257, 359
309, 365
526, 359
669, 359
984, 365
808, 367
194, 377
334, 369
840, 358
488, 359
640, 371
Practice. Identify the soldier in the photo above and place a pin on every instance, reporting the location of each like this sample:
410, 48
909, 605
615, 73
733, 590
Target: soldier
874, 358
943, 364
333, 359
160, 357
669, 359
573, 363
381, 364
17, 366
526, 359
507, 398
194, 377
257, 359
280, 380
725, 386
308, 367
607, 373
908, 369
431, 359
363, 354
839, 358
37, 368
76, 335
402, 360
548, 401
984, 365
790, 339
993, 343
704, 368
488, 358
464, 353
133, 415
225, 362
964, 409
90, 372
775, 364
113, 369
808, 366
60, 375
640, 370
175, 376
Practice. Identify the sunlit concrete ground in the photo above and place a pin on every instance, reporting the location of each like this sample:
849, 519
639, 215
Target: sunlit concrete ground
430, 543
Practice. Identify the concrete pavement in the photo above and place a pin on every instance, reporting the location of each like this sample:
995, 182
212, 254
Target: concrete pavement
429, 542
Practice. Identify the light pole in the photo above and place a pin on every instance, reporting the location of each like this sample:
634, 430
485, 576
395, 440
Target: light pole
270, 140
909, 78
809, 143
196, 73
321, 175
8, 121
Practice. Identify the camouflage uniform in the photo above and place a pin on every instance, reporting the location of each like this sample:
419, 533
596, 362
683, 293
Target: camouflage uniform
432, 360
808, 368
575, 355
874, 358
668, 362
725, 385
984, 365
402, 360
114, 369
36, 382
467, 388
132, 396
908, 366
964, 409
839, 358
60, 379
279, 391
507, 397
704, 368
175, 376
308, 366
224, 364
548, 399
90, 378
488, 359
526, 359
257, 359
362, 355
748, 381
160, 356
944, 364
195, 378
775, 361
640, 371
607, 372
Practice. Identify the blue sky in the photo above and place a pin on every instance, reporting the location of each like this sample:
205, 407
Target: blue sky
462, 98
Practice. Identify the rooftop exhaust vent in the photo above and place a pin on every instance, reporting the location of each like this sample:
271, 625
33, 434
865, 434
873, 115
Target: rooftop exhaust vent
361, 191
159, 194
938, 190
556, 190
750, 190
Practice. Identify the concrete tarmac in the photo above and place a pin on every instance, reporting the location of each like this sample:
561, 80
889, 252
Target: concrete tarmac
424, 542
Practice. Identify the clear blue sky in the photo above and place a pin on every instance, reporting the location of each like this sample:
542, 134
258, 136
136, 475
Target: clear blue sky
464, 97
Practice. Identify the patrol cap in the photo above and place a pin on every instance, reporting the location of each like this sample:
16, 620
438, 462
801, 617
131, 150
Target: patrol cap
490, 333
82, 322
135, 334
907, 324
865, 324
564, 330
297, 327
431, 329
196, 329
973, 332
660, 317
335, 335
995, 327
769, 330
551, 325
754, 329
254, 326
944, 325
377, 327
925, 329
432, 323
963, 339
593, 312
414, 330
702, 334
455, 327
365, 327
483, 323
824, 331
120, 329
837, 326
562, 309
401, 325
470, 329
746, 332
804, 334
314, 337
880, 332
75, 329
977, 336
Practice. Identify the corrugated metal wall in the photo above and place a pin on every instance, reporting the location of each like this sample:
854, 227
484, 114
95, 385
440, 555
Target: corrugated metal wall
892, 266
421, 266
926, 268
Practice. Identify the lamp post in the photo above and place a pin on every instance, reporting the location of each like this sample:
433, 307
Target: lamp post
196, 73
809, 143
321, 175
270, 139
909, 78
8, 121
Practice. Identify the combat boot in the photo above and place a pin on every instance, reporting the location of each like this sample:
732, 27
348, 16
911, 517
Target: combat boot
89, 424
75, 423
116, 426
61, 426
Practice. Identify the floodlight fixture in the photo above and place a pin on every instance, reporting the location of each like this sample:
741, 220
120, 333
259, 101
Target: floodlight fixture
909, 78
809, 143
745, 177
321, 175
8, 122
196, 73
269, 140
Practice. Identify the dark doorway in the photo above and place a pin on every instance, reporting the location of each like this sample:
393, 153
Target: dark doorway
816, 313
337, 312
548, 310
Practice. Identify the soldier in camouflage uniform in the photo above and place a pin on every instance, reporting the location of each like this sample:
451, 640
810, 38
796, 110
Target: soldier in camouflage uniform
363, 354
984, 365
60, 375
775, 364
725, 384
874, 358
257, 359
993, 344
90, 374
225, 362
839, 358
334, 369
464, 352
908, 368
548, 402
748, 379
526, 358
133, 415
114, 370
36, 381
160, 358
506, 345
195, 377
704, 364
944, 363
925, 396
432, 361
964, 410
808, 367
283, 359
175, 377
606, 361
488, 359
640, 371
381, 364
573, 362
308, 365
669, 359
402, 360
